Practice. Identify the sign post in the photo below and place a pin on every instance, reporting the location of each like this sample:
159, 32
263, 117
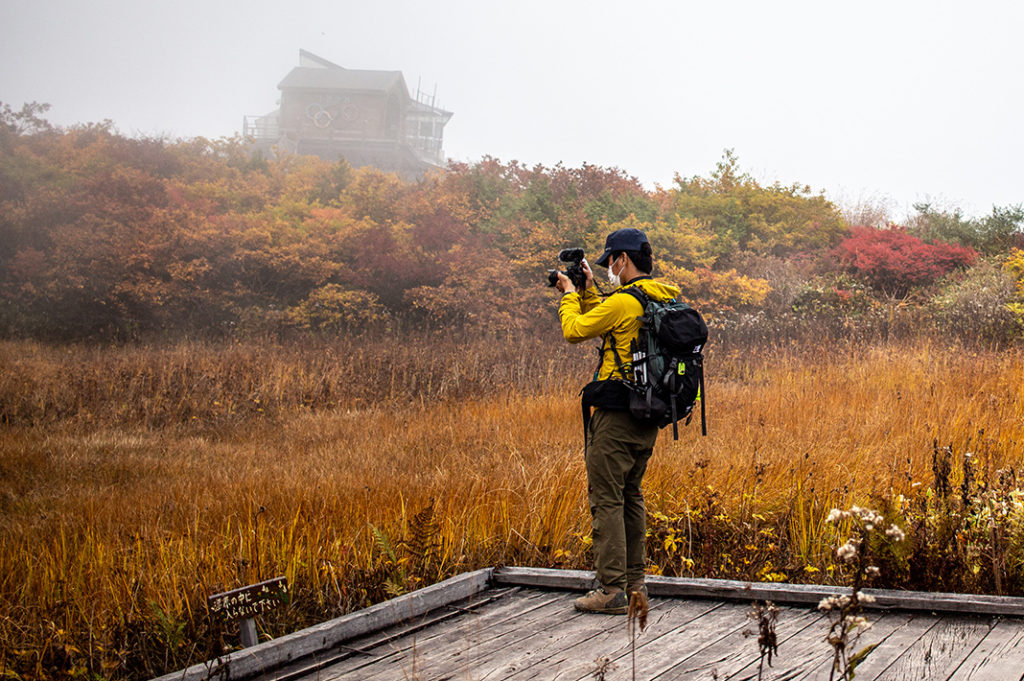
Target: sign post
245, 603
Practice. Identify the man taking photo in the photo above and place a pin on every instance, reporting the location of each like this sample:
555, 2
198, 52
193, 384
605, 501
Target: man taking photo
617, 447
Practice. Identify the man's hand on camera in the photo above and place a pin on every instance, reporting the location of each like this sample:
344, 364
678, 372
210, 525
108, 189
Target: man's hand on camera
564, 284
589, 273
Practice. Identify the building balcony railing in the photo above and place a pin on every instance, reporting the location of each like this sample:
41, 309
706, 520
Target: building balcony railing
261, 127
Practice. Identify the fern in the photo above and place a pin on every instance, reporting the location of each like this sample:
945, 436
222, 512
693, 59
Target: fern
171, 630
423, 544
396, 581
383, 543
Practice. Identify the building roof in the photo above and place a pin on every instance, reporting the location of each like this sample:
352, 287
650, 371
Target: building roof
315, 78
519, 623
317, 73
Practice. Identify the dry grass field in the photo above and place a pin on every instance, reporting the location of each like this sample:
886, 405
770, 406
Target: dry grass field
135, 481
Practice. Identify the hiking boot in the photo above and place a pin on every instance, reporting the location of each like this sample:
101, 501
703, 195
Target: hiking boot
637, 586
603, 601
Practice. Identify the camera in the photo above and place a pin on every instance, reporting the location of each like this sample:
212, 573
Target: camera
573, 256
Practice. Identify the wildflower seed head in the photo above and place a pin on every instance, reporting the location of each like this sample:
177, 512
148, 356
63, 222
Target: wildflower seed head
870, 518
895, 533
872, 571
866, 598
857, 622
847, 552
835, 516
828, 603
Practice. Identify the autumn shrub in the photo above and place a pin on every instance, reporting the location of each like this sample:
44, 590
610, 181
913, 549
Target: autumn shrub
894, 261
835, 295
1014, 266
787, 278
716, 292
821, 309
332, 308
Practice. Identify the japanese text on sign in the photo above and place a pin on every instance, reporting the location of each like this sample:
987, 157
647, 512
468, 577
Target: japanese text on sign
250, 600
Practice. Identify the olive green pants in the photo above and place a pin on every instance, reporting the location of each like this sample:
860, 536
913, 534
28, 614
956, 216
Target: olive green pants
617, 454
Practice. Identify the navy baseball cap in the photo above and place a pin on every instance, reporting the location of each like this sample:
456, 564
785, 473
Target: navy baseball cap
627, 239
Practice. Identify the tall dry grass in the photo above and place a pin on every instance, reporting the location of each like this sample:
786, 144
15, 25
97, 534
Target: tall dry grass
213, 383
135, 481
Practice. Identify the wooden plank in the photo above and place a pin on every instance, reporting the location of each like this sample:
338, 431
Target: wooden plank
544, 650
569, 650
895, 645
999, 657
799, 631
272, 654
571, 580
458, 647
725, 589
802, 647
807, 654
661, 645
939, 652
366, 649
731, 653
391, 644
531, 640
882, 629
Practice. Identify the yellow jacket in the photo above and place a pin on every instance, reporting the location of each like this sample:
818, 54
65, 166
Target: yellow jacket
585, 315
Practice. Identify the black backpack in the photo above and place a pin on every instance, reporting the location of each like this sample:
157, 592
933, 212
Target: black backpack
668, 364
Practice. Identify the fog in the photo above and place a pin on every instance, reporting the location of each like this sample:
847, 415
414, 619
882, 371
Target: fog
879, 101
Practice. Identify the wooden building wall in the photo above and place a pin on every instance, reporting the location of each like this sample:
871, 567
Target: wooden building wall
349, 115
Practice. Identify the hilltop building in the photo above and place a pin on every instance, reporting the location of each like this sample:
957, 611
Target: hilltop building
366, 117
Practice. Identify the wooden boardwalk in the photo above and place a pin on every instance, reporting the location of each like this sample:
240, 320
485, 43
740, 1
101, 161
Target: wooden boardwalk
509, 625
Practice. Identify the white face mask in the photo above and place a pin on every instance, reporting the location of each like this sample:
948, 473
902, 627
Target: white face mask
613, 278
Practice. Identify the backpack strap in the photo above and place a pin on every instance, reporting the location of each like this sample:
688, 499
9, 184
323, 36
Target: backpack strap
703, 399
675, 417
586, 407
618, 360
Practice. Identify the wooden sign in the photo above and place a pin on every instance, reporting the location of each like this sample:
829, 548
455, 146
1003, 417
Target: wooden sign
249, 601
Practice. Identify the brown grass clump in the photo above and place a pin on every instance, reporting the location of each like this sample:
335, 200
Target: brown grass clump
136, 481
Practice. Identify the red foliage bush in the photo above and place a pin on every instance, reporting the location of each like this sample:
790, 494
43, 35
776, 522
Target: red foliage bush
894, 261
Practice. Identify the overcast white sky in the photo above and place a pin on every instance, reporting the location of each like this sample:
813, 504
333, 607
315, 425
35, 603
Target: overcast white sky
885, 101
